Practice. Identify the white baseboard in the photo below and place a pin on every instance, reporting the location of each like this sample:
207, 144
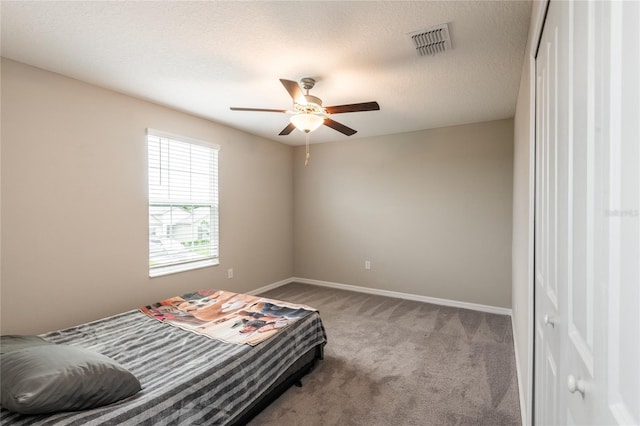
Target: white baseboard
270, 286
407, 296
523, 404
398, 295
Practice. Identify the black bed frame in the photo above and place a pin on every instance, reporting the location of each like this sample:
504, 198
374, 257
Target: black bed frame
292, 376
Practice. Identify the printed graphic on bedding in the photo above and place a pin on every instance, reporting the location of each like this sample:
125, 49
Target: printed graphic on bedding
227, 316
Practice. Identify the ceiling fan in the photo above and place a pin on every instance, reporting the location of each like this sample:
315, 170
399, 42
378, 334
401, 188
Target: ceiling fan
308, 113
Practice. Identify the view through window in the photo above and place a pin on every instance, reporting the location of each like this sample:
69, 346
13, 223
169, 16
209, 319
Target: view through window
183, 203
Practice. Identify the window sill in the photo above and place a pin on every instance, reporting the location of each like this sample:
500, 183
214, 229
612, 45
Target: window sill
175, 269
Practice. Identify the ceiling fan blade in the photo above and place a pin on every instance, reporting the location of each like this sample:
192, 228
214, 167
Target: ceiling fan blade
257, 109
287, 130
364, 106
339, 127
294, 91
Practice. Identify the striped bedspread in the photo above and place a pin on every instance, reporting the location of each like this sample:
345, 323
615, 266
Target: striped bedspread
187, 379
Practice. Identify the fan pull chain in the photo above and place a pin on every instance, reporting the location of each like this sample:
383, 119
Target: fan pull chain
306, 159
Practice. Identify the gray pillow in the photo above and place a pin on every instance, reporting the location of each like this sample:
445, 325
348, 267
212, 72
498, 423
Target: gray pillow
15, 343
51, 378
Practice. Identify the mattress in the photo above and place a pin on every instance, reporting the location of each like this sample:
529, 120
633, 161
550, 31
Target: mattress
187, 379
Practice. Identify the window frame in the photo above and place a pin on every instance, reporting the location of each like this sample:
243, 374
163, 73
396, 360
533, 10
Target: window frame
214, 231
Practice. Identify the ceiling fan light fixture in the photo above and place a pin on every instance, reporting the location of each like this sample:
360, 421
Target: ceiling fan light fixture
306, 122
308, 112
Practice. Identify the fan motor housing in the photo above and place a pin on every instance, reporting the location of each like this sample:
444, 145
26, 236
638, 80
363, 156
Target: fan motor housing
314, 105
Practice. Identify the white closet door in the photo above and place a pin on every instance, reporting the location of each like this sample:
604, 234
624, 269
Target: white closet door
585, 178
548, 288
617, 335
587, 239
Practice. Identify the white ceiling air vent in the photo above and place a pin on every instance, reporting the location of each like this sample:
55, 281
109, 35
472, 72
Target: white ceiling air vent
432, 40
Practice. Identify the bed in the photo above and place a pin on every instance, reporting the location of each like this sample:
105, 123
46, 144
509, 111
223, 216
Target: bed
186, 378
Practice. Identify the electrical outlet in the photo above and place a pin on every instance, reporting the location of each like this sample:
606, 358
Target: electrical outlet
230, 273
367, 264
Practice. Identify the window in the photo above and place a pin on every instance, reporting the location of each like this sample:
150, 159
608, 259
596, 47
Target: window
183, 203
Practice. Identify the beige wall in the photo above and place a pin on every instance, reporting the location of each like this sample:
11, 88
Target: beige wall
523, 178
431, 210
74, 203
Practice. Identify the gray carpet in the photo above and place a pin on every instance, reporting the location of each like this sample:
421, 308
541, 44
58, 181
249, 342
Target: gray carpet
399, 362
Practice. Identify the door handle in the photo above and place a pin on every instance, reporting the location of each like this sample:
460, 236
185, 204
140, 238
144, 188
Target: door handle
549, 321
576, 385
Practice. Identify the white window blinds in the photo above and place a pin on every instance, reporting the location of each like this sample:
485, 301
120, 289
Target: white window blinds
183, 203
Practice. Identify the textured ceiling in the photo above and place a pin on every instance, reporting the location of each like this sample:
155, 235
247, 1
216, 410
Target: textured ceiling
203, 57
